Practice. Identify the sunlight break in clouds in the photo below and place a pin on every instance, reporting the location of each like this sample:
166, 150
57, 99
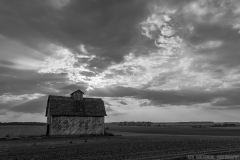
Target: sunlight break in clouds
61, 62
171, 66
134, 71
6, 98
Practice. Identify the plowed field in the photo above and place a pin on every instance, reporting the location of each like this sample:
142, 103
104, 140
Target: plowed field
137, 147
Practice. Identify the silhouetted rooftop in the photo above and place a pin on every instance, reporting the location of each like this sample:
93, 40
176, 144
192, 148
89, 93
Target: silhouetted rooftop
66, 106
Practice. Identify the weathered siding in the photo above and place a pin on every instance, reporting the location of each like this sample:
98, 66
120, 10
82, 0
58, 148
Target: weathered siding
64, 125
78, 95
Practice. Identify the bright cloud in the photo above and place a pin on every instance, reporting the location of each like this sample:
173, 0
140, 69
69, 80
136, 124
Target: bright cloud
62, 61
133, 71
171, 66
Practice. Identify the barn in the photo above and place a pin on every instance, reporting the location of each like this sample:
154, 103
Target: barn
75, 115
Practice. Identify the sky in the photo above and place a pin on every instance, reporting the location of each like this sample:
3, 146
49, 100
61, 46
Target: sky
149, 60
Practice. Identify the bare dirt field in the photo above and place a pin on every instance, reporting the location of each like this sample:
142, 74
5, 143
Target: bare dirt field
118, 147
131, 145
22, 130
35, 130
176, 130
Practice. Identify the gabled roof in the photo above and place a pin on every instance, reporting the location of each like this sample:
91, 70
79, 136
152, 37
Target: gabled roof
59, 105
78, 91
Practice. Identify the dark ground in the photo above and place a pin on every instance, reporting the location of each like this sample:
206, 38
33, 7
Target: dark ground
118, 147
178, 130
28, 130
136, 143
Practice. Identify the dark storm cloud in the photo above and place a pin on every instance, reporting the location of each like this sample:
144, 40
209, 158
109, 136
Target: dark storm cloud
161, 97
27, 81
216, 23
220, 97
108, 25
206, 31
218, 60
6, 63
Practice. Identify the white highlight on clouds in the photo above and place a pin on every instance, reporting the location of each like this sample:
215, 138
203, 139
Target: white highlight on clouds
165, 68
132, 72
209, 45
158, 27
6, 98
61, 62
156, 22
83, 49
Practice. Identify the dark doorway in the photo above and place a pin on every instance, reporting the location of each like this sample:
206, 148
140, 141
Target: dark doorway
48, 126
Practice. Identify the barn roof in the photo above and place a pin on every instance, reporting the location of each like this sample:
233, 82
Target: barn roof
78, 91
66, 106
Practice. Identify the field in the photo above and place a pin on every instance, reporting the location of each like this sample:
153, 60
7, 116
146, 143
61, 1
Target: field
22, 130
212, 131
35, 130
137, 143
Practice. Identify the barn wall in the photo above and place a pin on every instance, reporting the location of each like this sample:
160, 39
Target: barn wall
64, 125
77, 96
48, 122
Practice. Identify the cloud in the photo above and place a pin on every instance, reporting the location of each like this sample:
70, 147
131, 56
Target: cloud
32, 106
126, 73
3, 112
28, 82
59, 3
136, 55
122, 102
19, 56
6, 98
209, 45
196, 96
73, 23
26, 103
112, 112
